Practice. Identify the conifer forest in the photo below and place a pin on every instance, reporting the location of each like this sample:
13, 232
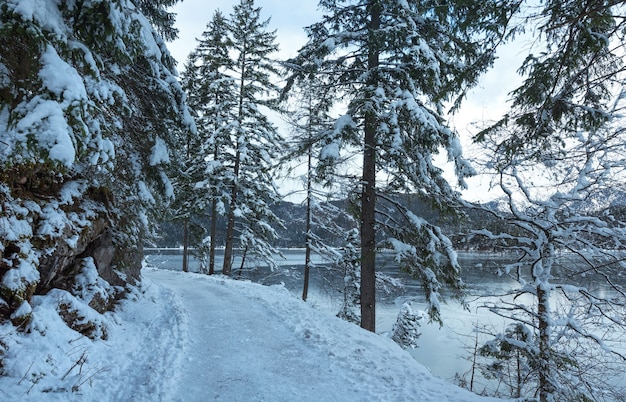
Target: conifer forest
347, 149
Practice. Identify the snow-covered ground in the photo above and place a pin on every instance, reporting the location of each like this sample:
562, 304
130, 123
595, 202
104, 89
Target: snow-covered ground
191, 337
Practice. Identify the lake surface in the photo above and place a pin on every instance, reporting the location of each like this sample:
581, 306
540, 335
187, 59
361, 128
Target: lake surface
445, 351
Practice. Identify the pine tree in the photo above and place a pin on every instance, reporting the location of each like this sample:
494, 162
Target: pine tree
405, 331
571, 79
349, 264
212, 95
256, 140
158, 14
395, 64
184, 206
89, 104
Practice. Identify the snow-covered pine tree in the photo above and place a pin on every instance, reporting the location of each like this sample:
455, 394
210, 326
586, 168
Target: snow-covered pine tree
182, 208
571, 76
395, 65
257, 142
566, 127
405, 331
350, 265
212, 94
89, 104
162, 19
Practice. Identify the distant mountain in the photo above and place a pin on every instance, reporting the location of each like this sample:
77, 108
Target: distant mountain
458, 226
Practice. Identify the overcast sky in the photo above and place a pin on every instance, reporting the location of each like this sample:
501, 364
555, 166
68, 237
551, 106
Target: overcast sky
286, 17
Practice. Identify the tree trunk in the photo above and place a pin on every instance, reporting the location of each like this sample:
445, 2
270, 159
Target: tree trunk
546, 388
243, 261
474, 358
213, 229
368, 238
214, 195
520, 379
213, 233
368, 197
185, 245
307, 255
230, 228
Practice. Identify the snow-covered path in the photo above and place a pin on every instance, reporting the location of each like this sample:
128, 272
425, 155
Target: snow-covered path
190, 337
245, 342
237, 353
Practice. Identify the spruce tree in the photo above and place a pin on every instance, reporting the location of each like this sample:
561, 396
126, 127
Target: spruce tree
161, 18
229, 81
349, 264
396, 64
212, 96
89, 106
256, 140
571, 77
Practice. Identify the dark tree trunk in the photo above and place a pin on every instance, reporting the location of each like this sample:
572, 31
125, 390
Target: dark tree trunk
546, 388
213, 221
230, 228
368, 197
243, 261
368, 239
307, 256
185, 245
213, 233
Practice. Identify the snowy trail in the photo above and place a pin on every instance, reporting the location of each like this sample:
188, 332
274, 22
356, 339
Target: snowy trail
229, 356
184, 337
236, 354
245, 342
149, 347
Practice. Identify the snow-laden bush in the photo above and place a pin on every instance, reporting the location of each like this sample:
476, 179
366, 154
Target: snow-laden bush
73, 311
405, 331
350, 264
93, 289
